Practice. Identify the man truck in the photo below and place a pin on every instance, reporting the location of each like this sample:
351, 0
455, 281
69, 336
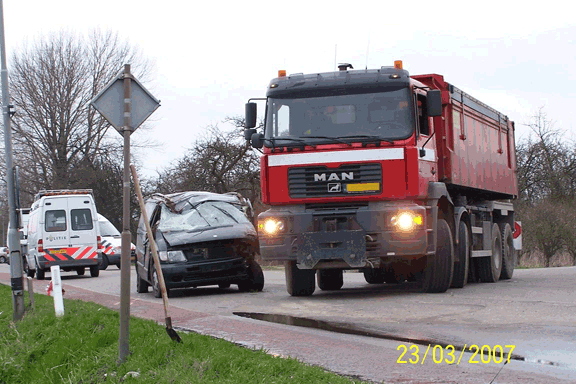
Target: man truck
400, 177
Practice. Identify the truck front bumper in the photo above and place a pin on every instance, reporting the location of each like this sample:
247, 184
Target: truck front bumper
358, 236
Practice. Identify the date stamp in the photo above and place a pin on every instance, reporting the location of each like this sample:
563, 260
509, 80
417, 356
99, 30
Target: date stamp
449, 354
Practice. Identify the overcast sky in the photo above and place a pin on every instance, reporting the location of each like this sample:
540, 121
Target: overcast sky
211, 56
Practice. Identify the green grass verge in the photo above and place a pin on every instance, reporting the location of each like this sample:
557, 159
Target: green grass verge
82, 347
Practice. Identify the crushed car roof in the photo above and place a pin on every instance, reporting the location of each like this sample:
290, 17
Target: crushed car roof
174, 200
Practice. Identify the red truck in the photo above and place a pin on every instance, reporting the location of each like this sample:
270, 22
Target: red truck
401, 177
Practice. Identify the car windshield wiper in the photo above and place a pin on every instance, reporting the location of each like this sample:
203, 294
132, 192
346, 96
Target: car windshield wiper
336, 139
370, 137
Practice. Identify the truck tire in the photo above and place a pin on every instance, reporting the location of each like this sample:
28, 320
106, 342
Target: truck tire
437, 275
490, 268
299, 282
255, 280
462, 253
508, 253
374, 275
330, 279
393, 274
94, 271
141, 284
104, 263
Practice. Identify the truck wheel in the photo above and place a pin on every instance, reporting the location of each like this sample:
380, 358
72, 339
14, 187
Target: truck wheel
80, 271
437, 275
393, 274
104, 263
29, 272
508, 253
141, 284
490, 268
299, 282
330, 279
462, 262
255, 280
94, 271
374, 275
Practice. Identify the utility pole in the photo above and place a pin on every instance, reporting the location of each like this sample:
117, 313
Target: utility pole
16, 279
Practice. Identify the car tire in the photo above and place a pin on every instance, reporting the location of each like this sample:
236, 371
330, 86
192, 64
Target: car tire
156, 285
104, 263
462, 252
255, 280
373, 275
29, 272
490, 267
330, 279
3, 259
508, 253
80, 271
94, 271
119, 265
437, 276
299, 282
141, 284
40, 273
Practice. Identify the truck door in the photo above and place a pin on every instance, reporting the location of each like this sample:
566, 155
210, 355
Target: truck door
82, 226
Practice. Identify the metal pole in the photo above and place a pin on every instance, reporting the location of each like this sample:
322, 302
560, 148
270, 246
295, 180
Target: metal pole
125, 258
16, 280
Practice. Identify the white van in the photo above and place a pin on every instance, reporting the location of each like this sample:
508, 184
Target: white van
63, 230
111, 243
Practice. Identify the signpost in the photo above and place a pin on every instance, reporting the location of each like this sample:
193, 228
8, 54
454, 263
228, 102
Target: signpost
126, 104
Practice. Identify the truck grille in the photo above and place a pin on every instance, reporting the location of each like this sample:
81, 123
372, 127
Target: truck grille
321, 181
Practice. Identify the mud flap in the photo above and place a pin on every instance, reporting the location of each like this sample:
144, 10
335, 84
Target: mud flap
349, 246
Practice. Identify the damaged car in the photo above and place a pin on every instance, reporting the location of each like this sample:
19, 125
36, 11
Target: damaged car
202, 239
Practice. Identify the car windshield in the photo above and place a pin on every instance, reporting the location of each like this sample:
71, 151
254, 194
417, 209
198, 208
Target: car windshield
206, 215
351, 117
107, 229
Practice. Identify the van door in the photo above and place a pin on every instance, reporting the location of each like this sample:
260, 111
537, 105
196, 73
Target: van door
56, 226
82, 228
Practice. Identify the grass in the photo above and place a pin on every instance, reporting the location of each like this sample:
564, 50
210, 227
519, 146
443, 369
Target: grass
82, 347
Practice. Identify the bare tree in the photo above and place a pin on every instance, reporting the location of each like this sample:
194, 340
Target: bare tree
57, 134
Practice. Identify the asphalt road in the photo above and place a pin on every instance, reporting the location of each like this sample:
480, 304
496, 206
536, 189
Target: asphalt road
535, 312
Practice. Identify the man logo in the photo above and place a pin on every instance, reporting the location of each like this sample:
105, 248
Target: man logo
334, 176
334, 187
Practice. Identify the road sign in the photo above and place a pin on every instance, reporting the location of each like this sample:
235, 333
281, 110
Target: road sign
110, 103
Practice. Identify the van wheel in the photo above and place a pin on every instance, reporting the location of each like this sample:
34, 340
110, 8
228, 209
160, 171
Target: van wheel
437, 275
462, 265
255, 280
40, 274
490, 267
299, 282
104, 263
330, 279
508, 253
94, 271
80, 271
141, 284
29, 272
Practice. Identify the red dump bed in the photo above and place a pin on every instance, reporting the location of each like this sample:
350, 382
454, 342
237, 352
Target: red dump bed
476, 147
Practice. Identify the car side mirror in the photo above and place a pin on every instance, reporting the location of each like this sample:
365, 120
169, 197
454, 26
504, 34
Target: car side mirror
434, 103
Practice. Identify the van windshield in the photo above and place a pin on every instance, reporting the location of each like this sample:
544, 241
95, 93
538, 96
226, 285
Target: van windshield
206, 215
107, 229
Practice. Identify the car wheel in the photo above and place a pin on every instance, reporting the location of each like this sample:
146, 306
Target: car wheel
3, 259
224, 285
40, 273
119, 265
299, 282
104, 263
156, 285
374, 275
330, 279
80, 271
94, 271
462, 253
508, 253
141, 284
255, 280
437, 275
29, 272
490, 267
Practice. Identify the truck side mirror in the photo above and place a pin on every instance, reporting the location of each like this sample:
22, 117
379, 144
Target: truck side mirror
250, 115
257, 140
434, 102
248, 133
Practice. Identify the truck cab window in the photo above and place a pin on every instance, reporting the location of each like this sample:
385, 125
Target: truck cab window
423, 115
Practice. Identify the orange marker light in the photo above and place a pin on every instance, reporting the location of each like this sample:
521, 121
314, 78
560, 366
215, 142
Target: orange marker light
398, 64
282, 73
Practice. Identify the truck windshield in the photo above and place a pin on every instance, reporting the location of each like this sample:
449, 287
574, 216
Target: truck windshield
351, 117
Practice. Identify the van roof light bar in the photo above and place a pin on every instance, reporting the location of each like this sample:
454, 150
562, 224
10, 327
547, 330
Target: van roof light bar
58, 192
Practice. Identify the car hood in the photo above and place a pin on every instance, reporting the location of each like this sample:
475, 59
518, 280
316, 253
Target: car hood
176, 238
115, 241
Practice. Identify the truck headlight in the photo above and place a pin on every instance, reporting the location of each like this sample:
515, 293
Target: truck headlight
171, 256
407, 221
272, 226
